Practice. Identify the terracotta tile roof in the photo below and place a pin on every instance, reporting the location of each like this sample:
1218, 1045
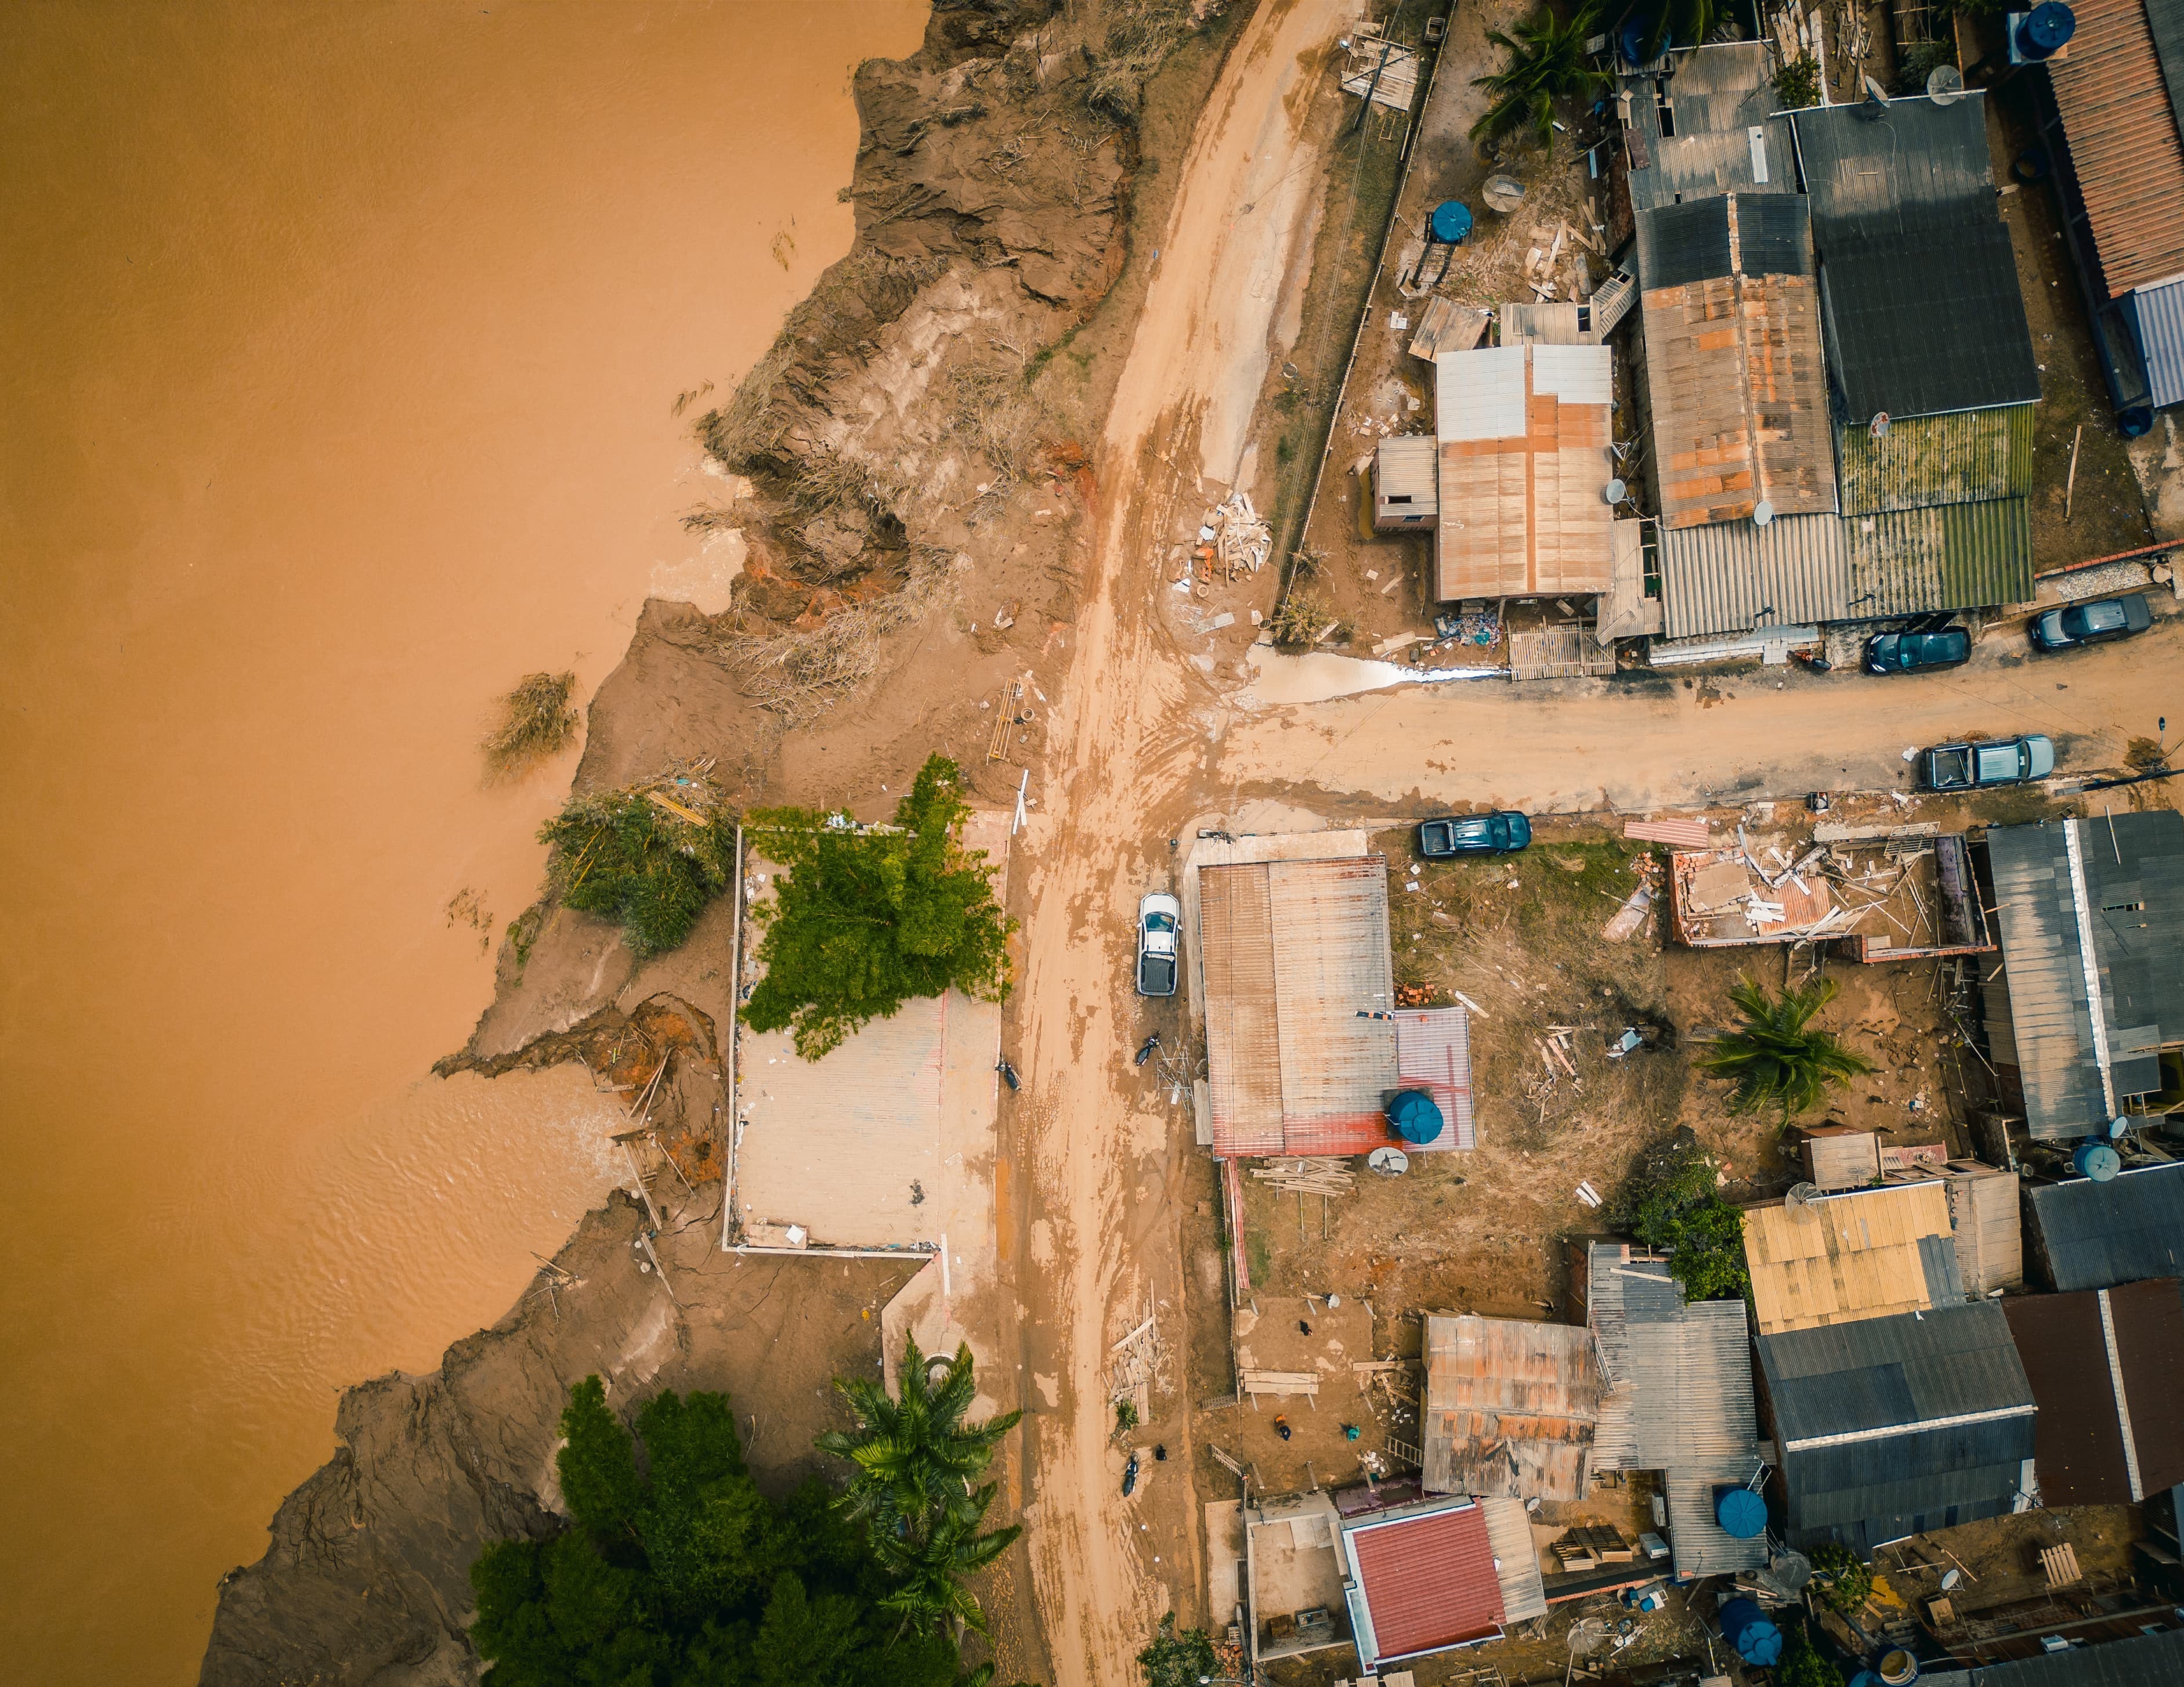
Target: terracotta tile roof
2123, 144
1429, 1581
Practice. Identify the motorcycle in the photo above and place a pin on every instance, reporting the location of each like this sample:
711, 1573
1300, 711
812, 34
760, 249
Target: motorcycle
1145, 1049
1129, 1476
1008, 1074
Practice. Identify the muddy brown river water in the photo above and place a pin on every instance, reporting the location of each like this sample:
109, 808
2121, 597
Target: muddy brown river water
339, 346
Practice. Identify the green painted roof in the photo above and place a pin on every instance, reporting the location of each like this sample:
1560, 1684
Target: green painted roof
1958, 458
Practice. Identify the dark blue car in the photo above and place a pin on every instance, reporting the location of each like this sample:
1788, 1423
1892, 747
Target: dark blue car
1501, 833
1916, 652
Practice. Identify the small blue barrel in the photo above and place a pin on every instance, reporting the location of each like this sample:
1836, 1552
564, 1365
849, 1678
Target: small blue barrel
1751, 1633
1742, 1513
2097, 1161
2045, 27
1451, 222
1415, 1116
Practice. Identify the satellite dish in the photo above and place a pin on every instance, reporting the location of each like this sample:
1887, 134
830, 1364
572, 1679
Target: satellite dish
1389, 1162
2118, 1129
1761, 513
1874, 104
1950, 1578
1945, 84
1614, 492
1787, 1573
1881, 424
1798, 1203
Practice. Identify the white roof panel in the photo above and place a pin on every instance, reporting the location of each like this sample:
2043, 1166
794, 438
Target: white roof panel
1574, 374
1481, 394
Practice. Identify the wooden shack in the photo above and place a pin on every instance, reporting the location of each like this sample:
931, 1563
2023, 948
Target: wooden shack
1841, 1156
1984, 1213
1405, 483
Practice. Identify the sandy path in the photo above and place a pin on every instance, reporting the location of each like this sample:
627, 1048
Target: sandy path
1639, 746
1132, 753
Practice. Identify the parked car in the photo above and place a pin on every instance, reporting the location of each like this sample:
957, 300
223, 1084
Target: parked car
1160, 921
1915, 652
1501, 833
1972, 767
2090, 624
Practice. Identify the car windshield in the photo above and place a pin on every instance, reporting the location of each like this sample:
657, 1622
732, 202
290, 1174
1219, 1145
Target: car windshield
1159, 921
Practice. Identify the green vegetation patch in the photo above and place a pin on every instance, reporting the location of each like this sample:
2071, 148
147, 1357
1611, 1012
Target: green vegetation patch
1775, 1057
1672, 1203
866, 920
646, 861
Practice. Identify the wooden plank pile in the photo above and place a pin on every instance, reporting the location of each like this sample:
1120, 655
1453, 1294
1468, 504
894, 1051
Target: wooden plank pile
1309, 1174
1590, 1546
1277, 1382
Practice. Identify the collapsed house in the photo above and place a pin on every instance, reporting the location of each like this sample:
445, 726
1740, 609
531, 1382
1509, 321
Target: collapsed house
1889, 1427
1912, 894
2085, 1021
2107, 1370
1510, 1407
1678, 1398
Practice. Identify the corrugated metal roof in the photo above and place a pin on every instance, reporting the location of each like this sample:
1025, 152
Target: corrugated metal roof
2107, 1368
1433, 1052
2100, 1235
1243, 1037
1524, 464
1681, 243
1510, 1407
1427, 1580
1958, 458
1544, 322
2166, 20
1718, 579
2118, 881
2148, 1319
1840, 1259
2158, 316
1699, 1545
1717, 96
1516, 1559
1917, 278
1891, 1425
2142, 1661
1952, 556
2124, 148
1405, 465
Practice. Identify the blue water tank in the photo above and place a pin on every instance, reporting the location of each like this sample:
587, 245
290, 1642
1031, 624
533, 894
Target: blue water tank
1451, 222
1415, 1116
1865, 1678
1751, 1633
1740, 1512
2097, 1161
2045, 27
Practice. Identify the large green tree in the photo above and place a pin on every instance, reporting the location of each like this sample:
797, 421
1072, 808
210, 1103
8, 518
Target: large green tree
1672, 1201
1776, 1057
1547, 62
676, 1572
866, 920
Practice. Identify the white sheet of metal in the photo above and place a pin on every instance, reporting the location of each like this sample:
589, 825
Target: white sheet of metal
1575, 374
1481, 394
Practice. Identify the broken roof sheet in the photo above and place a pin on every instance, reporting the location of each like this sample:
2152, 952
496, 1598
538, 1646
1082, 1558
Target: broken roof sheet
1890, 1427
1917, 278
1703, 123
2114, 886
1421, 1581
1839, 1259
2100, 1235
1510, 1407
2106, 1368
1524, 463
1294, 955
2124, 148
1733, 370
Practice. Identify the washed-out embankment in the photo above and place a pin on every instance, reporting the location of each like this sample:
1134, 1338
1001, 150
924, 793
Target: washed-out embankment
910, 463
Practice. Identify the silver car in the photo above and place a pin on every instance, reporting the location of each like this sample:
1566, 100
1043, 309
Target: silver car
1159, 930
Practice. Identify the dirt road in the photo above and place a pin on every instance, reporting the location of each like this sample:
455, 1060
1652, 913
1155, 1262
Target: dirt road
1103, 1227
1639, 744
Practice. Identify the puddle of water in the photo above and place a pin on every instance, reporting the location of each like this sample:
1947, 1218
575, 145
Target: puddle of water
1283, 681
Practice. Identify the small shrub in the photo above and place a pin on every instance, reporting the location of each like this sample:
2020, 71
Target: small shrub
1174, 1660
1672, 1201
623, 857
1797, 84
1917, 60
537, 721
1845, 1583
1126, 1416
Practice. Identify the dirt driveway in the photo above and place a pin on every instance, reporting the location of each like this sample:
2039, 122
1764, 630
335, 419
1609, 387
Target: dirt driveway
1656, 740
1095, 1232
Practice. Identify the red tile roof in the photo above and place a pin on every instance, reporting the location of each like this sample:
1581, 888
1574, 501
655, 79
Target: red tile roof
1428, 1581
2123, 143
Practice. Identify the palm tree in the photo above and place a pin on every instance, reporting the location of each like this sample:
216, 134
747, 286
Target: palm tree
1772, 1059
929, 1564
1547, 62
915, 1456
1683, 23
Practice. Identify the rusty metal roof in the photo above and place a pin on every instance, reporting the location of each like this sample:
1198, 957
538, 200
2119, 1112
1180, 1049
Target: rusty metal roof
2107, 1370
1295, 953
1510, 1407
1524, 463
1433, 1052
2124, 148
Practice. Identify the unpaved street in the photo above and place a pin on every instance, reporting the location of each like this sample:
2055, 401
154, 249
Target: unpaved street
1102, 1228
1662, 740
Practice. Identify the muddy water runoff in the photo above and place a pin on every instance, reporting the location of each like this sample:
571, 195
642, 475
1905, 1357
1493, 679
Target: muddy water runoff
338, 348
